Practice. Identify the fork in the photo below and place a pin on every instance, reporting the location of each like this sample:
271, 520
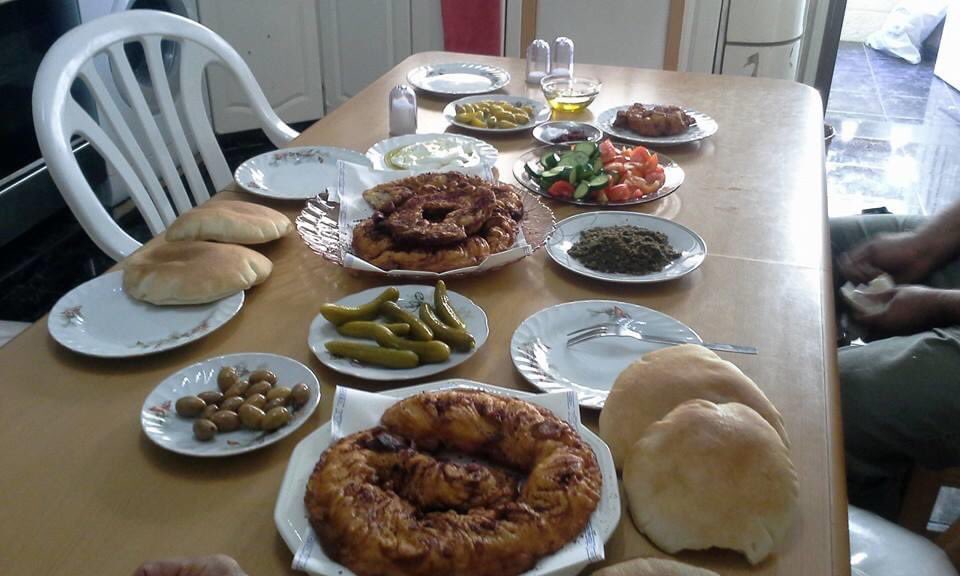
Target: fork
625, 328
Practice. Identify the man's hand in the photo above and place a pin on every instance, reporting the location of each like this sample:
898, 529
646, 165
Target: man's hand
219, 565
905, 256
912, 309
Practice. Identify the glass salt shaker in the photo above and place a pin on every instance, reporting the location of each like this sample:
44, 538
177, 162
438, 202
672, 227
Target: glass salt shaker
403, 110
562, 57
538, 61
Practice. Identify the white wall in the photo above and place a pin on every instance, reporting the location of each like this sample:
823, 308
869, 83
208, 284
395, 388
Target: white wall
616, 32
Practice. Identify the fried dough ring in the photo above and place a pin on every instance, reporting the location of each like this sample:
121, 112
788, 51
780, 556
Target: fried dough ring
441, 218
373, 530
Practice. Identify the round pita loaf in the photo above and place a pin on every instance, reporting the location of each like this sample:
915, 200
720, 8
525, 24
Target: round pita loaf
192, 272
663, 379
711, 475
230, 221
653, 567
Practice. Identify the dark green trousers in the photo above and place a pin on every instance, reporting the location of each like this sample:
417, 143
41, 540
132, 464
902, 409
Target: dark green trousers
901, 395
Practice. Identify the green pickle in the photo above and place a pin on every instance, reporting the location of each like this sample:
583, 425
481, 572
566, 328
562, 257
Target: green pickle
418, 330
337, 315
365, 329
445, 309
369, 354
459, 340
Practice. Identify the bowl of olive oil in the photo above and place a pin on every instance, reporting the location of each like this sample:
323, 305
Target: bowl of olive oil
569, 93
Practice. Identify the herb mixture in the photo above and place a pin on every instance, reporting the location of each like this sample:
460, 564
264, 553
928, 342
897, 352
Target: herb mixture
624, 250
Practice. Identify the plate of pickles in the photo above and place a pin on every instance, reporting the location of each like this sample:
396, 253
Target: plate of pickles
493, 114
398, 333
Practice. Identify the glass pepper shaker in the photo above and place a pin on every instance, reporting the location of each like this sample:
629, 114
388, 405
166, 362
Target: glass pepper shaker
562, 57
403, 110
538, 61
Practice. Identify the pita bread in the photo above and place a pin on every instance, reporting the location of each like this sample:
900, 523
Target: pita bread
663, 379
192, 272
653, 567
230, 221
711, 475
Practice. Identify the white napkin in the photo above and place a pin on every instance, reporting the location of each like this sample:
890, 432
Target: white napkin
355, 410
353, 180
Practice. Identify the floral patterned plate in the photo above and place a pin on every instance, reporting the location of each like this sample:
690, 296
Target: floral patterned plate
294, 173
411, 295
97, 318
164, 427
539, 347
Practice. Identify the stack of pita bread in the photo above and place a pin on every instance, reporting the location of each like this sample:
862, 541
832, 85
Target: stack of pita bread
704, 454
199, 259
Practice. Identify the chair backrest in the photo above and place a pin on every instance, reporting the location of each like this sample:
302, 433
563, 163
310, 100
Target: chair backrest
164, 178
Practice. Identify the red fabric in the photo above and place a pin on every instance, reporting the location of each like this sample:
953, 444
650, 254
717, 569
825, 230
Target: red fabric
471, 26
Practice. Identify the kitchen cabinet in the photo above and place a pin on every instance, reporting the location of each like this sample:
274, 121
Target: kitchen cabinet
280, 41
360, 40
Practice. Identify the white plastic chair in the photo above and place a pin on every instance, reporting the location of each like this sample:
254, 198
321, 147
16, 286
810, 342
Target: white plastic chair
882, 548
148, 168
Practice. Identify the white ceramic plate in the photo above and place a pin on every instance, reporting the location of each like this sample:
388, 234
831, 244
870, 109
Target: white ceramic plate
704, 128
541, 112
480, 151
550, 131
691, 246
290, 515
294, 173
411, 295
97, 318
165, 428
539, 347
458, 78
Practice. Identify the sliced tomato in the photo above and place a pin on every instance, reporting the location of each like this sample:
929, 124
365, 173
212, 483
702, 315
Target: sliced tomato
652, 162
619, 193
617, 167
561, 189
642, 186
639, 154
607, 150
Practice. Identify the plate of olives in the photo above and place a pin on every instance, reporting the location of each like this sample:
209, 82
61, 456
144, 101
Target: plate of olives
496, 113
230, 404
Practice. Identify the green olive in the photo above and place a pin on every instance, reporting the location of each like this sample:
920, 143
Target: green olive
226, 420
250, 416
521, 118
209, 410
478, 123
506, 124
275, 418
386, 357
300, 395
261, 387
258, 400
418, 330
226, 377
337, 315
211, 396
190, 406
281, 392
262, 376
491, 121
464, 117
238, 389
460, 340
271, 404
232, 403
204, 430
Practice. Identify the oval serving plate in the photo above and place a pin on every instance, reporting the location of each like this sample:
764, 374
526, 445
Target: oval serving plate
548, 131
458, 78
163, 426
290, 515
672, 172
539, 349
704, 128
294, 173
484, 153
411, 295
688, 243
541, 113
98, 318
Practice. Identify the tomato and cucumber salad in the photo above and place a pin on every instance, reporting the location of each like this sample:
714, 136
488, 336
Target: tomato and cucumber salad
602, 173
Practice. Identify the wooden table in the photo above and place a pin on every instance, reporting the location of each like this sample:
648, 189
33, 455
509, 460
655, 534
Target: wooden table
84, 491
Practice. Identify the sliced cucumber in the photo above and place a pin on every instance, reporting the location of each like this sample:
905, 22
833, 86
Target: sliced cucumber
588, 148
550, 159
574, 158
598, 182
582, 190
532, 170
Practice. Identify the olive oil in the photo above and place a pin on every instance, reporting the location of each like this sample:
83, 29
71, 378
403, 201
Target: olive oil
569, 102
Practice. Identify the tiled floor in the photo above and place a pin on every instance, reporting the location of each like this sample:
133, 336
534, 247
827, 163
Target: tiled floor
898, 135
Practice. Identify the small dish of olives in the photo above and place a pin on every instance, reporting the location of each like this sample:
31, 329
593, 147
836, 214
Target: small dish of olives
230, 404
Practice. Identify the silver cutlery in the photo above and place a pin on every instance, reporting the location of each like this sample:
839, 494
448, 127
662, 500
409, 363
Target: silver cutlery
627, 328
